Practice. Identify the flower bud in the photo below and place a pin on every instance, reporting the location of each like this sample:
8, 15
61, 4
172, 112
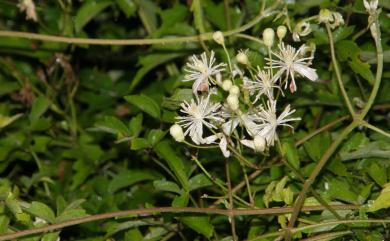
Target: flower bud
259, 143
218, 37
234, 90
242, 58
268, 37
281, 31
325, 16
177, 133
226, 85
232, 101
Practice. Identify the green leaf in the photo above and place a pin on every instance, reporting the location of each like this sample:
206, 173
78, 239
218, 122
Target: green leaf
41, 210
7, 120
129, 177
148, 63
70, 214
342, 190
175, 163
155, 135
167, 186
135, 125
178, 97
4, 222
39, 107
378, 173
181, 200
128, 7
89, 10
139, 144
199, 224
145, 103
316, 146
50, 236
349, 51
199, 181
113, 125
291, 153
383, 201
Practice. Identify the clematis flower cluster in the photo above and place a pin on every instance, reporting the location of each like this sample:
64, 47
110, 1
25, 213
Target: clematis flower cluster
248, 114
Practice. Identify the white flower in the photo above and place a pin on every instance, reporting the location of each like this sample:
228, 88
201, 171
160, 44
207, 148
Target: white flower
201, 72
268, 121
28, 6
258, 143
268, 37
199, 113
371, 6
262, 85
218, 37
222, 143
177, 132
290, 62
242, 57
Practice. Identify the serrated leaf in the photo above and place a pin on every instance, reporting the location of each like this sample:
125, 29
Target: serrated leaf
145, 103
41, 210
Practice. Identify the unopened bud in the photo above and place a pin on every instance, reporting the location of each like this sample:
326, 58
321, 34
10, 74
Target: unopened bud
232, 101
218, 37
242, 58
325, 16
259, 143
281, 31
268, 37
177, 133
234, 90
226, 85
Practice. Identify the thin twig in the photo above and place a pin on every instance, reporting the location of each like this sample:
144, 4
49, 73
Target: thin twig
154, 211
231, 204
338, 73
71, 40
321, 129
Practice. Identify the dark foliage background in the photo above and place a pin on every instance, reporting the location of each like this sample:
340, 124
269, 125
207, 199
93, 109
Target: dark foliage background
83, 128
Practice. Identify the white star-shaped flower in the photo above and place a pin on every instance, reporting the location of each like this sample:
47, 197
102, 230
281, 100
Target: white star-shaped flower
201, 70
263, 84
267, 121
289, 61
198, 113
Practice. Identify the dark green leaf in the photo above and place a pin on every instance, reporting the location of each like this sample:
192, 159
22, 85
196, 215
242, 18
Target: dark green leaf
175, 163
145, 103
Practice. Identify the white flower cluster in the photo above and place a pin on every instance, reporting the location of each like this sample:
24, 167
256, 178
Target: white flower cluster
248, 113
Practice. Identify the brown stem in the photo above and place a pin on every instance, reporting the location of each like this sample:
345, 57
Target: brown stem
153, 211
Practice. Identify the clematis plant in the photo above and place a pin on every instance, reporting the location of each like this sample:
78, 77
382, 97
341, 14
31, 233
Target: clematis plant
249, 114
